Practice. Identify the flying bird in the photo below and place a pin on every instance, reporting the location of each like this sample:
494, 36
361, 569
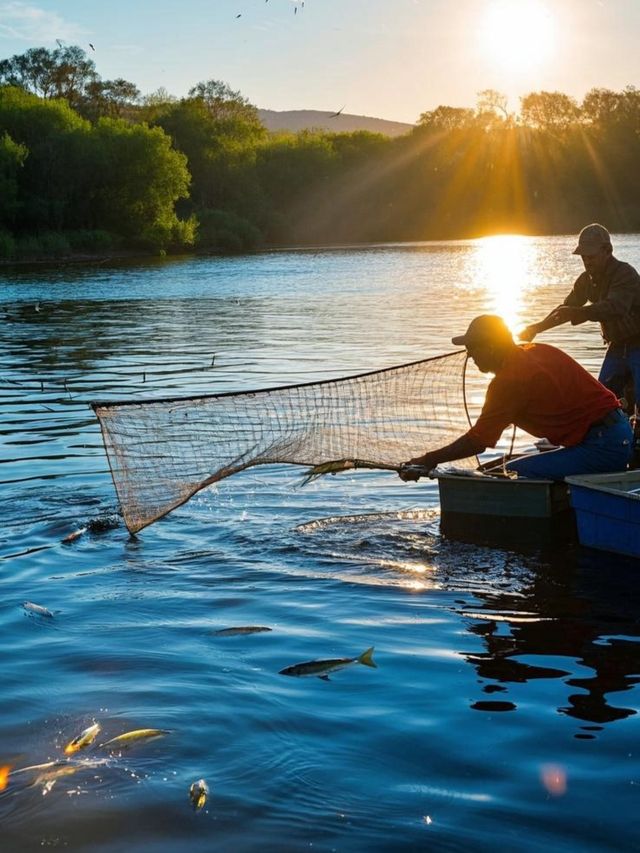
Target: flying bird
335, 115
239, 16
91, 46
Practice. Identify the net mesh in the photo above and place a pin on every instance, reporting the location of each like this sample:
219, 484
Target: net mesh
161, 452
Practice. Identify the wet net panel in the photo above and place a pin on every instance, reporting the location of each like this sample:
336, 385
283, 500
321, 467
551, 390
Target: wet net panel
161, 452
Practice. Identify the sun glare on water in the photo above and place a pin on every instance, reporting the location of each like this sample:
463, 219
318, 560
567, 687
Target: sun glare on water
506, 266
517, 35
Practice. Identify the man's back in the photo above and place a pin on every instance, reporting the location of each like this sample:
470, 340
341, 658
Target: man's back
544, 392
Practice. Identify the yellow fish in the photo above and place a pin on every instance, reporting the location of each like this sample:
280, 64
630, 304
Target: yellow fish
83, 739
128, 738
198, 793
5, 770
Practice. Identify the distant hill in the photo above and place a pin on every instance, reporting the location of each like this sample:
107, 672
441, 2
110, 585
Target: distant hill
295, 120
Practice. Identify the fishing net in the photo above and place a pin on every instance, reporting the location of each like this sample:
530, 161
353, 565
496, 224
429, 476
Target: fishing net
161, 452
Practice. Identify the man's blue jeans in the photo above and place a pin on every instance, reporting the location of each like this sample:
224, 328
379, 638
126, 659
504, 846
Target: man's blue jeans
621, 363
604, 449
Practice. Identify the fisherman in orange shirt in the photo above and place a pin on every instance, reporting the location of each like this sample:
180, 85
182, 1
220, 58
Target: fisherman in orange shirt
545, 392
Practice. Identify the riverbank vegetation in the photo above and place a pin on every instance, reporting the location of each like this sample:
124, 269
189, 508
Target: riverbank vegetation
90, 166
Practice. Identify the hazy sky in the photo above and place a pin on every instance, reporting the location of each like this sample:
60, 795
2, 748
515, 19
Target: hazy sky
391, 59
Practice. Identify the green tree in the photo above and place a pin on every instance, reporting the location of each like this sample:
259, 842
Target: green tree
61, 73
155, 104
225, 105
139, 178
12, 158
47, 180
220, 146
109, 99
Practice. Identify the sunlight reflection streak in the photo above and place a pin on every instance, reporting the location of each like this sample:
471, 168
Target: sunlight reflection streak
506, 266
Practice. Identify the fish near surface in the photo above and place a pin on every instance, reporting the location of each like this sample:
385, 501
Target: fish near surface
5, 770
241, 629
198, 793
323, 668
128, 738
83, 739
71, 537
38, 609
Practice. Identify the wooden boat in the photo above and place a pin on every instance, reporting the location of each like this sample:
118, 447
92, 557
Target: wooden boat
477, 507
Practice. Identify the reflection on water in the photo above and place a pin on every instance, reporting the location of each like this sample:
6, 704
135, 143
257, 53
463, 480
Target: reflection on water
507, 267
506, 682
567, 610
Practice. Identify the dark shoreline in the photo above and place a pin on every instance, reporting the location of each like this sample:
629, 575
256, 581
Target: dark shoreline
141, 255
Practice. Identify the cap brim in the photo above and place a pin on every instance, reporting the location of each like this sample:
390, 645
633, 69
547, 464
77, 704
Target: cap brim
587, 250
459, 341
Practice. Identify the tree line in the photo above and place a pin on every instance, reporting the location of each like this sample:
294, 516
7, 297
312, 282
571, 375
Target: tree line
91, 165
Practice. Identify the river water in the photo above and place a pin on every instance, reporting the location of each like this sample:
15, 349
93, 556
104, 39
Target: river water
504, 707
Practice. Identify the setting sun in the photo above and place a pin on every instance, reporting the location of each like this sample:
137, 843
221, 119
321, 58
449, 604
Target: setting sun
517, 34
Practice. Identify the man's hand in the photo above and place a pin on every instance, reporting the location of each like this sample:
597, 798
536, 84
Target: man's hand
417, 467
528, 333
568, 314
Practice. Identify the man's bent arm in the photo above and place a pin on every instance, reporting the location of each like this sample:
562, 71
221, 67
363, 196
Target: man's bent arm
461, 448
567, 311
558, 317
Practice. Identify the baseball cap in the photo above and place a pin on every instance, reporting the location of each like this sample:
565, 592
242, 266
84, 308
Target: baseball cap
487, 328
592, 238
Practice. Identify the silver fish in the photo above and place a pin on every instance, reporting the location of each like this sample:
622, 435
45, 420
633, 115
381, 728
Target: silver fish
37, 608
241, 629
322, 668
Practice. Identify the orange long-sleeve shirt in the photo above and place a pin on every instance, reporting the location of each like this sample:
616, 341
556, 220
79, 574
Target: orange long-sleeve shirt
545, 392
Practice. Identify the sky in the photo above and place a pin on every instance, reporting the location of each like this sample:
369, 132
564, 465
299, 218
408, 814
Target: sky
392, 59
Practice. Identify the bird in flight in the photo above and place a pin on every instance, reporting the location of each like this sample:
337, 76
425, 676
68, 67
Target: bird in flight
335, 115
91, 46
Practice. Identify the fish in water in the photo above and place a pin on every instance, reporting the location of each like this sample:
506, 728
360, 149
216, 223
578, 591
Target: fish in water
37, 608
323, 668
75, 535
83, 739
241, 629
128, 738
58, 769
60, 766
48, 774
5, 770
198, 793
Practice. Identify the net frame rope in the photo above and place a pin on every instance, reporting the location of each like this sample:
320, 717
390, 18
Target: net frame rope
161, 452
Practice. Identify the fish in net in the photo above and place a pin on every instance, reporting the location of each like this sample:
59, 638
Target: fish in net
161, 452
